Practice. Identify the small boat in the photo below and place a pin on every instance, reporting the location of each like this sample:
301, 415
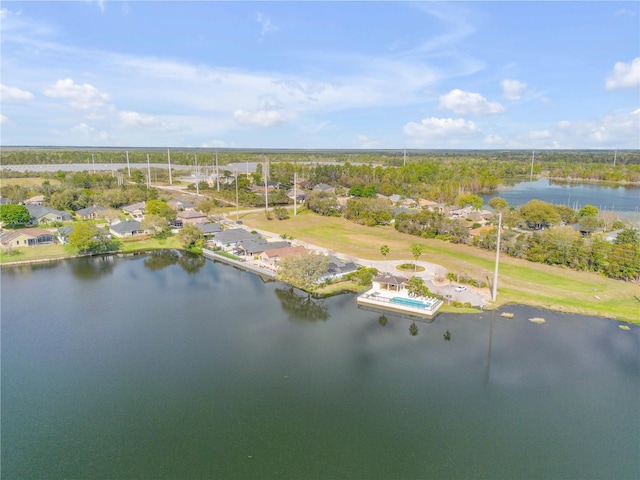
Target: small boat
506, 315
537, 320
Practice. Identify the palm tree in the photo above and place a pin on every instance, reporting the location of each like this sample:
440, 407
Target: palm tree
384, 251
417, 250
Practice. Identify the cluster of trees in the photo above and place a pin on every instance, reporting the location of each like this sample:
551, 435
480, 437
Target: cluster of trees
86, 237
368, 211
14, 216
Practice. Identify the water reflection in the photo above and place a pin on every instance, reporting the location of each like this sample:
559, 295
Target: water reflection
92, 268
159, 259
301, 306
191, 262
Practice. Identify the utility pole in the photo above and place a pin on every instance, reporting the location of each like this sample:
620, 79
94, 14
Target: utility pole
195, 163
295, 193
93, 160
128, 167
404, 158
533, 157
237, 204
495, 273
169, 160
615, 154
148, 172
266, 191
217, 172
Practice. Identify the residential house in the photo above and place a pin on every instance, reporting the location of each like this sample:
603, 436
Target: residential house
253, 247
90, 213
128, 228
337, 268
231, 238
43, 215
136, 210
26, 237
323, 187
63, 234
209, 229
37, 200
181, 205
272, 256
300, 196
191, 217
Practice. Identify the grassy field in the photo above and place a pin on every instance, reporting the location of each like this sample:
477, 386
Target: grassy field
28, 182
519, 281
58, 251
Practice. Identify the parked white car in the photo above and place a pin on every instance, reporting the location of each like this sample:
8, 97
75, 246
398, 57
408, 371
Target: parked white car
460, 288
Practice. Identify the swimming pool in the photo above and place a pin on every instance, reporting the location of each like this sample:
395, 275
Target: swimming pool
410, 302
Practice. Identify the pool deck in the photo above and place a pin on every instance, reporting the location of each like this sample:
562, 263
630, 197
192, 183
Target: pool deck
382, 300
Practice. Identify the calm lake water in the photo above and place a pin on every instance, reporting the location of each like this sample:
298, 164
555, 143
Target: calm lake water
169, 366
624, 201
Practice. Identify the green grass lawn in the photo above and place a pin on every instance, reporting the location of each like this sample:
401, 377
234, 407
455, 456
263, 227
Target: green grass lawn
519, 281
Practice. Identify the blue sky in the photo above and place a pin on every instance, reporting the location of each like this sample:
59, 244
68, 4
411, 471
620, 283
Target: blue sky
476, 75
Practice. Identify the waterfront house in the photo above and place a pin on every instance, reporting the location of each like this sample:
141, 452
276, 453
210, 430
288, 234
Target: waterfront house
41, 215
232, 237
63, 234
128, 228
256, 246
273, 256
89, 213
26, 237
337, 268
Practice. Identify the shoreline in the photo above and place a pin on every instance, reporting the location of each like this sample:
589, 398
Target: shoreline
492, 306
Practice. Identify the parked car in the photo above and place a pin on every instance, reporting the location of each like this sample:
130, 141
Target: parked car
460, 288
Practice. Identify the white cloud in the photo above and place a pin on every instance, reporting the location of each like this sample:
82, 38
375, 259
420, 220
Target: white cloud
468, 103
539, 134
13, 94
100, 3
260, 118
4, 119
548, 102
363, 141
494, 140
624, 75
430, 128
625, 12
135, 119
82, 97
266, 25
564, 124
89, 133
513, 89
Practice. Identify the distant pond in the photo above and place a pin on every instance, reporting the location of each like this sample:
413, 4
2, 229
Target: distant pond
624, 201
168, 366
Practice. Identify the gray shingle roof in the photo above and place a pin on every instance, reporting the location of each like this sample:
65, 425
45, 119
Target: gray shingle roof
125, 227
234, 235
